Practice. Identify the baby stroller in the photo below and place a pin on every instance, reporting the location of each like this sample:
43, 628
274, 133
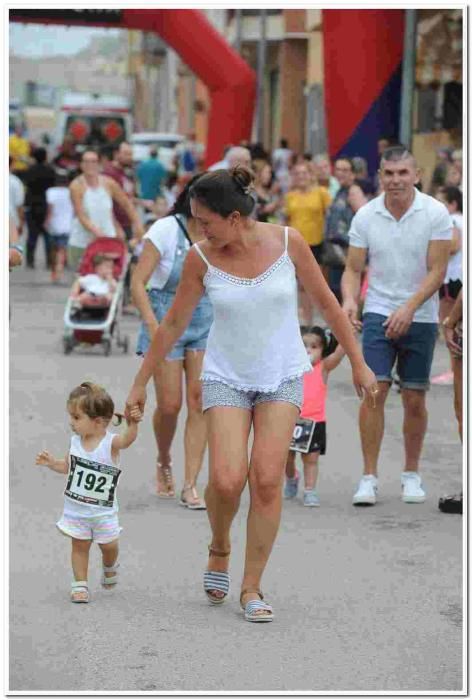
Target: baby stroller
98, 324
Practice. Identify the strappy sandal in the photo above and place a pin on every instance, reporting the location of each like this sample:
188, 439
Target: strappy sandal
110, 580
216, 580
165, 482
253, 607
195, 503
79, 588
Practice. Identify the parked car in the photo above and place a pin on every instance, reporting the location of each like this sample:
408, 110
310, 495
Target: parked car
166, 145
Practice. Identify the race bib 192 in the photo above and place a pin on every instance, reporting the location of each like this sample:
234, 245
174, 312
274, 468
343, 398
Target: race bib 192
92, 483
302, 435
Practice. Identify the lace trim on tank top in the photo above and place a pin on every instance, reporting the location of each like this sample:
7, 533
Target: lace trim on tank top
266, 389
246, 281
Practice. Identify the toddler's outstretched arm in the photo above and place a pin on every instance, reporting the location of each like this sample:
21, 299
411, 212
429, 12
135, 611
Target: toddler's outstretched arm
130, 433
333, 360
46, 459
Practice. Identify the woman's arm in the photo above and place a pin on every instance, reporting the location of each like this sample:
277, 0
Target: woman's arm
121, 198
148, 261
172, 326
76, 194
311, 278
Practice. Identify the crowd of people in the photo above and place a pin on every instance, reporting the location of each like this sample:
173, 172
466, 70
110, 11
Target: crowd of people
255, 247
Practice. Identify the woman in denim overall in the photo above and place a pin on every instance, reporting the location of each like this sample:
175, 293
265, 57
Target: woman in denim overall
185, 358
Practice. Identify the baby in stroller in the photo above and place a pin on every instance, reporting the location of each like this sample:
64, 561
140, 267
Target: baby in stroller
96, 289
93, 309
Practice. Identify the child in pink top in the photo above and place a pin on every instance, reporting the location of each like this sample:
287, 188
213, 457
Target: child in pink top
325, 354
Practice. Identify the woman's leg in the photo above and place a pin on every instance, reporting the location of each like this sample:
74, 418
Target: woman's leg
228, 434
195, 438
274, 423
168, 386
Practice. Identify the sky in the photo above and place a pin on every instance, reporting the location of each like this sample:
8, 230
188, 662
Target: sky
38, 41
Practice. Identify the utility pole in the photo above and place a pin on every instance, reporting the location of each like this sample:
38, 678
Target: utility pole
261, 61
239, 29
408, 78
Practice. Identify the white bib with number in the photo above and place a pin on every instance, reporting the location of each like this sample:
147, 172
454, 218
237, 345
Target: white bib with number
92, 479
302, 435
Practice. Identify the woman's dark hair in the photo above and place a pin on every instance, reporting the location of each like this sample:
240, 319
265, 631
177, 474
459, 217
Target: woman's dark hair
225, 191
329, 342
452, 194
182, 203
40, 154
94, 401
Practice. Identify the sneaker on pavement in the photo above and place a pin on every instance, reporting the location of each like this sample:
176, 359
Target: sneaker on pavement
366, 494
411, 488
311, 498
291, 486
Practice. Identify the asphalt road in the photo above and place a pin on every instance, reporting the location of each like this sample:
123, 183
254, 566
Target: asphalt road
365, 599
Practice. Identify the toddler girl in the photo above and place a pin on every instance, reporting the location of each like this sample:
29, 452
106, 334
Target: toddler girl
324, 357
92, 465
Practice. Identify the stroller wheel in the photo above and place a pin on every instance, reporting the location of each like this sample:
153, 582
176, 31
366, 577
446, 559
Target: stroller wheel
68, 345
106, 347
125, 344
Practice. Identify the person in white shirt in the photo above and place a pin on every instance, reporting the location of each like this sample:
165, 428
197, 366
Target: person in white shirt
97, 288
253, 366
236, 155
58, 222
16, 199
406, 235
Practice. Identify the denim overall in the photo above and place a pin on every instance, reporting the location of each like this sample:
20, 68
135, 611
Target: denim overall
196, 334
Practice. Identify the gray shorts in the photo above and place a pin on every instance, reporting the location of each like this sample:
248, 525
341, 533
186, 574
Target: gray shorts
216, 393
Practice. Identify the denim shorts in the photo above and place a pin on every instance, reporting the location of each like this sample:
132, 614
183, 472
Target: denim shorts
413, 351
195, 335
59, 240
216, 393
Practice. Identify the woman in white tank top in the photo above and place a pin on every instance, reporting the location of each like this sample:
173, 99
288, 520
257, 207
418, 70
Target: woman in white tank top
253, 366
92, 197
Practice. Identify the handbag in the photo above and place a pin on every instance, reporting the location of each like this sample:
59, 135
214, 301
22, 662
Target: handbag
333, 254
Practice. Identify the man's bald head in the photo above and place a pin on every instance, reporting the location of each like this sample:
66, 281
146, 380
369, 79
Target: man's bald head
238, 155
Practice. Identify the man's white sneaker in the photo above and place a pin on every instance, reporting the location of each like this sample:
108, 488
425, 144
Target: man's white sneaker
412, 491
366, 494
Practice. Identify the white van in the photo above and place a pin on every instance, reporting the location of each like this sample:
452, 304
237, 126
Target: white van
94, 120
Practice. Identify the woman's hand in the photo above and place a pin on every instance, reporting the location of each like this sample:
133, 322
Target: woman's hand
136, 400
365, 383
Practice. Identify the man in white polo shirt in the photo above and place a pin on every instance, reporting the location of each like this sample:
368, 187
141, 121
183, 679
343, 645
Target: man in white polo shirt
406, 235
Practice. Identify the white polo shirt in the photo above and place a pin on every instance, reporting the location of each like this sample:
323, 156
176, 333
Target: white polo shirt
398, 252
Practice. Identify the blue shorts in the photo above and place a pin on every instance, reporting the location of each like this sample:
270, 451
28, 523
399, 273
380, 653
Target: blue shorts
413, 352
195, 335
59, 240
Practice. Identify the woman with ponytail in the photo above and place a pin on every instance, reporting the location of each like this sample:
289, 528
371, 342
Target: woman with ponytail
253, 367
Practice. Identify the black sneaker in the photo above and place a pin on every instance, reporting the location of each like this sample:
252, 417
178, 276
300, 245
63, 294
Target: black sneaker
451, 504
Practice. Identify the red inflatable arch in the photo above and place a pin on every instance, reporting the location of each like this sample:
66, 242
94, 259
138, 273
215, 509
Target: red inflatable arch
232, 84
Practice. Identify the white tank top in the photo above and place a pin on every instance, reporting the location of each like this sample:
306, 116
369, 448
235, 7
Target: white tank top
254, 342
98, 206
100, 456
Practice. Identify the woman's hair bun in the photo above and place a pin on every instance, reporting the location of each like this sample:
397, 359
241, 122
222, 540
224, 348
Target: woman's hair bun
243, 177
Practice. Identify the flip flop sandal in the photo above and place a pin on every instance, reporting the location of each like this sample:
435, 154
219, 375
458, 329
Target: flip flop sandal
253, 607
451, 504
165, 482
216, 580
196, 504
82, 588
110, 580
